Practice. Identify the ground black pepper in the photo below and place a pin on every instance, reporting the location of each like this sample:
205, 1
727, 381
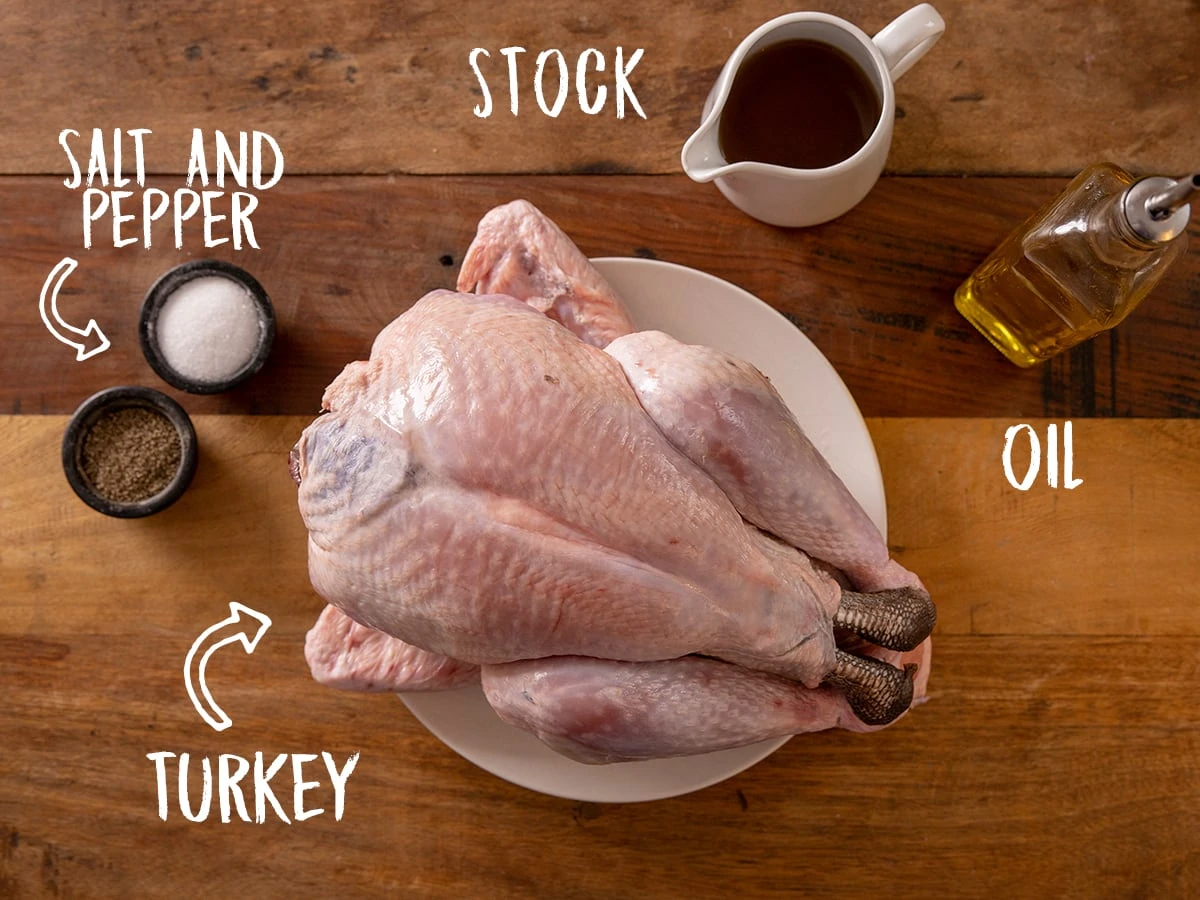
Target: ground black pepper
130, 454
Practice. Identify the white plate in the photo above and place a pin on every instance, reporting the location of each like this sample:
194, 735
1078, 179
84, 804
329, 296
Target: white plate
699, 309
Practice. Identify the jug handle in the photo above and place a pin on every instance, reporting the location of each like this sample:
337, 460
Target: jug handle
908, 37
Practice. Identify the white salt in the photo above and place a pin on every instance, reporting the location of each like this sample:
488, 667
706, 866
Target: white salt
208, 329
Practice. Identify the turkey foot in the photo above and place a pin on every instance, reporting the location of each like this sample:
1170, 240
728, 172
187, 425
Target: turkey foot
898, 619
878, 693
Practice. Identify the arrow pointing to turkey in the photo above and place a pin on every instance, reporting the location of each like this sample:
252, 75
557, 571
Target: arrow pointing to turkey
234, 628
54, 322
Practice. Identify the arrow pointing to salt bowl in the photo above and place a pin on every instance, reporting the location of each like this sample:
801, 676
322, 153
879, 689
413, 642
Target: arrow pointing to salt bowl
62, 331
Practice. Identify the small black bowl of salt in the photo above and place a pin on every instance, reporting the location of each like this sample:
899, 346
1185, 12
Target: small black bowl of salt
206, 326
129, 451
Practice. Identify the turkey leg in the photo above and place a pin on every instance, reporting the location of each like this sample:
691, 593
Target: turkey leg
602, 711
727, 418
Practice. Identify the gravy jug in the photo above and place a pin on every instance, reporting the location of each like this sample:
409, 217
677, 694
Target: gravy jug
795, 197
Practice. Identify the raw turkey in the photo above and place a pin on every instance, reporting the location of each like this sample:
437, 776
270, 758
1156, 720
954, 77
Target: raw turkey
635, 523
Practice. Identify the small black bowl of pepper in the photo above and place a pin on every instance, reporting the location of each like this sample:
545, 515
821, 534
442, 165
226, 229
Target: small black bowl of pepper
129, 451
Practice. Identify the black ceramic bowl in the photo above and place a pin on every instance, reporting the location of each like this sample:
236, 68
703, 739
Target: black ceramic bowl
111, 400
170, 282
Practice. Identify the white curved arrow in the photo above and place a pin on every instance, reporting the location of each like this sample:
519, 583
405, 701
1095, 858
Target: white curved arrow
248, 632
60, 329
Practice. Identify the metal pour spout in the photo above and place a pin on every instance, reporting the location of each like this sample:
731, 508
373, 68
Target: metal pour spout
1156, 208
1161, 206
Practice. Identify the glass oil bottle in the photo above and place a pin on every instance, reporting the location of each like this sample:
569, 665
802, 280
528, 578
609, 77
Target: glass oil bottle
1080, 265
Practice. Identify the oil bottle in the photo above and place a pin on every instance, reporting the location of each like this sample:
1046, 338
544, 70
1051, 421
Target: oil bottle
1080, 265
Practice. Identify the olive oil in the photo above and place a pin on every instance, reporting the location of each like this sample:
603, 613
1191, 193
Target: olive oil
1079, 266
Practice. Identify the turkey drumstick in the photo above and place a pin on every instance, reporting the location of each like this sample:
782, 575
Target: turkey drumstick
599, 710
727, 418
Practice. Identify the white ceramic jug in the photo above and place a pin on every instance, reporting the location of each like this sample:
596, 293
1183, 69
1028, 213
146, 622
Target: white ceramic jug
797, 197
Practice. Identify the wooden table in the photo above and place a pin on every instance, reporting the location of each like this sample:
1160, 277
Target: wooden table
1060, 752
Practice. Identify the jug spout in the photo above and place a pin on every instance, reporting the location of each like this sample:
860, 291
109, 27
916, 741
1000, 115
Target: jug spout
701, 156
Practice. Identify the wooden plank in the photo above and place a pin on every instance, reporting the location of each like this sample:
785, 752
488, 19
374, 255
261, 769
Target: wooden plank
343, 256
1056, 756
236, 533
1055, 767
1114, 556
387, 87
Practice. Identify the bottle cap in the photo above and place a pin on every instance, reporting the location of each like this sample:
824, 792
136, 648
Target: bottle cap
1157, 209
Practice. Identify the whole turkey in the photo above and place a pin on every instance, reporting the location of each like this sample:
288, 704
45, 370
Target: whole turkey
632, 538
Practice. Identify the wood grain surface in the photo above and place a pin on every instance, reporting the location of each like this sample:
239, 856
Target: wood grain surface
1056, 756
1059, 754
382, 86
341, 257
